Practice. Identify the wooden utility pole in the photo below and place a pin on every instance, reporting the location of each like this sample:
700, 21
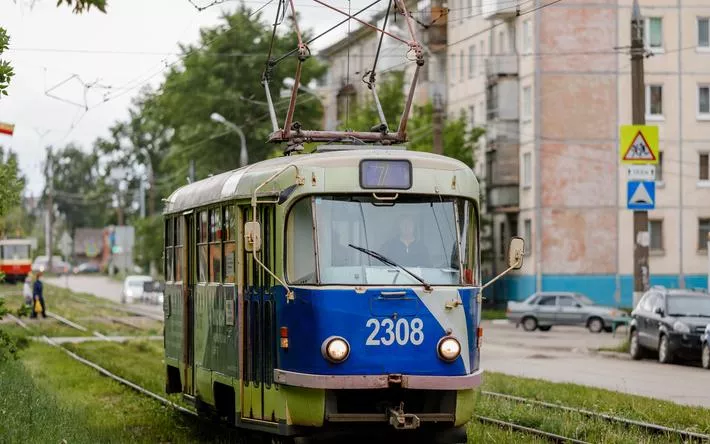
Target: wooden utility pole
50, 208
638, 103
438, 125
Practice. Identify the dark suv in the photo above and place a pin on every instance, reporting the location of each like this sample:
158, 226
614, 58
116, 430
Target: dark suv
705, 340
670, 321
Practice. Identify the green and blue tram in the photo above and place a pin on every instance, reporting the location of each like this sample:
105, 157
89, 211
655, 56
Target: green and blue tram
325, 293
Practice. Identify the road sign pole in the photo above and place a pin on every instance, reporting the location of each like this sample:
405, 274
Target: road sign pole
638, 100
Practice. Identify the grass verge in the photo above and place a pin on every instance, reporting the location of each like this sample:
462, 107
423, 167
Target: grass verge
621, 348
48, 397
488, 314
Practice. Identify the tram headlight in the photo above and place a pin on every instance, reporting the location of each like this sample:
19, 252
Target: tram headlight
335, 349
448, 348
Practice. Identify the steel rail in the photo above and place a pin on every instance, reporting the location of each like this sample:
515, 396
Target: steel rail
655, 428
517, 427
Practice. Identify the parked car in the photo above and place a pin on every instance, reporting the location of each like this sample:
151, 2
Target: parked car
133, 288
87, 267
544, 309
58, 265
705, 343
153, 291
670, 322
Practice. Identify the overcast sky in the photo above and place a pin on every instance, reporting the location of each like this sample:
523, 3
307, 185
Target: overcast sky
121, 50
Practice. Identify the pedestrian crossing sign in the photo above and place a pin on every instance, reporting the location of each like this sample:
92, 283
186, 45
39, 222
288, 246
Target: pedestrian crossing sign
640, 195
638, 144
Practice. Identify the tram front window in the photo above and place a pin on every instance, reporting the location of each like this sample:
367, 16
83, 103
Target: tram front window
417, 233
15, 251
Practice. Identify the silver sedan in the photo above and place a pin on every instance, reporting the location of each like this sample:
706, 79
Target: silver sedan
545, 309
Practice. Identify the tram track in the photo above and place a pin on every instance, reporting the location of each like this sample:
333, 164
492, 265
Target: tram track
530, 430
647, 426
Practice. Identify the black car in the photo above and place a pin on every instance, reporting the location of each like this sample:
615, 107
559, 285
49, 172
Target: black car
671, 322
705, 341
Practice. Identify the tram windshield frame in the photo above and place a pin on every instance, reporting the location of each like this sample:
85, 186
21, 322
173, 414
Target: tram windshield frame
322, 232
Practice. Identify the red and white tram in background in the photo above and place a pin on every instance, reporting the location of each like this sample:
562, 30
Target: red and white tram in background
15, 260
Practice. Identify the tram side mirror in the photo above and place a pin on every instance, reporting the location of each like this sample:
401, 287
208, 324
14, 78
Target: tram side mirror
515, 253
252, 236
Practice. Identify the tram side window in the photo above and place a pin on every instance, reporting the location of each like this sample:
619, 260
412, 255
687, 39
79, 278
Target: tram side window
469, 244
230, 245
216, 245
179, 236
202, 259
300, 250
169, 237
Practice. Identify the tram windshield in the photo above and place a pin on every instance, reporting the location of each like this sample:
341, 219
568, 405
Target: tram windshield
15, 251
424, 237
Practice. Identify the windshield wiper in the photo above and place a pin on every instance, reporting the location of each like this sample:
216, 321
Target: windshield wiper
387, 261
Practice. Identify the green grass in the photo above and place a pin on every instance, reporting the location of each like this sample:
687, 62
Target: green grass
629, 406
48, 397
623, 347
87, 311
493, 313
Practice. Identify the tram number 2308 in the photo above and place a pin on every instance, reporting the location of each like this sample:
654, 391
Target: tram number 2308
403, 331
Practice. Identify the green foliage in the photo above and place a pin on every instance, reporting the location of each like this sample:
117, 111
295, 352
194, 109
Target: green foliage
11, 183
364, 116
81, 192
82, 5
149, 240
6, 71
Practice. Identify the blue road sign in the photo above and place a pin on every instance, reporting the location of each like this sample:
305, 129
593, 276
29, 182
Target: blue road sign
640, 195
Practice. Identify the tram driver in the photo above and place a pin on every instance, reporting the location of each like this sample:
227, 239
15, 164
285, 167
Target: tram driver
406, 248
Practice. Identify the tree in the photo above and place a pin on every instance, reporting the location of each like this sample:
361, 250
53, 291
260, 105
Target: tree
222, 74
390, 91
81, 192
11, 183
6, 71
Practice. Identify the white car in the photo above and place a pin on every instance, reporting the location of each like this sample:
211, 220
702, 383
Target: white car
133, 288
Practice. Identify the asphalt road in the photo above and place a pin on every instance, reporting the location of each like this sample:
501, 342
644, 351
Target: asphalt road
569, 354
103, 287
564, 354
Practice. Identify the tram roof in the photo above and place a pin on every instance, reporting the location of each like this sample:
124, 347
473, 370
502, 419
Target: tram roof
241, 182
15, 241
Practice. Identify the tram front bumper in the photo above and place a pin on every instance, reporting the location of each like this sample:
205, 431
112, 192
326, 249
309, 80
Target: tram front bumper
296, 379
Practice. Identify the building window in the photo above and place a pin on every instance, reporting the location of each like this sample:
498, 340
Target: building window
470, 8
453, 68
482, 52
471, 61
654, 100
654, 32
527, 170
659, 167
472, 116
527, 37
527, 103
501, 42
462, 66
704, 173
501, 238
704, 100
527, 235
655, 228
704, 32
703, 230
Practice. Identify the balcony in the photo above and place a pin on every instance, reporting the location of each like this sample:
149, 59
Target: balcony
502, 175
503, 199
499, 9
501, 132
502, 65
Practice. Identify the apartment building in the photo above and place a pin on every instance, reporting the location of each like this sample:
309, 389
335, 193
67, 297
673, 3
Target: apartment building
351, 57
552, 85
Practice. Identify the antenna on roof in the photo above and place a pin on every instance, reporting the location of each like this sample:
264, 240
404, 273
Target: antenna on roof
292, 133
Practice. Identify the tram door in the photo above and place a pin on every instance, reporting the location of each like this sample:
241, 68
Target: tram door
188, 313
259, 351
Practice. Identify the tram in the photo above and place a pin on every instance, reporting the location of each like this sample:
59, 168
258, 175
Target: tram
336, 292
15, 260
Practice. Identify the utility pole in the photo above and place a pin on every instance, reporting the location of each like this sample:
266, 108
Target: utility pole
141, 197
638, 101
50, 207
191, 173
437, 125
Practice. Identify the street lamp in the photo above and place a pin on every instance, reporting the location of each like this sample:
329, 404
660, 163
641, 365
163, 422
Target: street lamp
243, 155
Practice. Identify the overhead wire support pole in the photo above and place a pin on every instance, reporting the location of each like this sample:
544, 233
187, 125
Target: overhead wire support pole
371, 81
638, 101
